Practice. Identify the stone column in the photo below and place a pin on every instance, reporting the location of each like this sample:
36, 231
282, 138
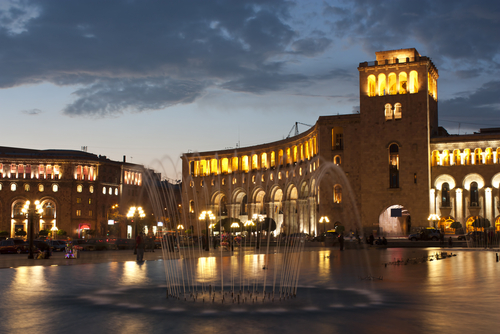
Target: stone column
432, 201
488, 205
459, 206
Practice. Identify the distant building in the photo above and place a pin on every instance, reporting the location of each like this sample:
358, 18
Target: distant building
79, 192
401, 166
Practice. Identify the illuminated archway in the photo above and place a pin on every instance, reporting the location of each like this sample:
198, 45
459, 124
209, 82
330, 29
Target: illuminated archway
395, 220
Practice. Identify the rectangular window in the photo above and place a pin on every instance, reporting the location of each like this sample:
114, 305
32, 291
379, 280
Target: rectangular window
78, 200
78, 213
90, 200
90, 213
339, 141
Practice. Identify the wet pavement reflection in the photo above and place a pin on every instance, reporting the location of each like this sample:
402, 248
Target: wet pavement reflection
355, 291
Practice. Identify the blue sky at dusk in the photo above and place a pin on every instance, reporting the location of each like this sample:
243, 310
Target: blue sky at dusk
153, 79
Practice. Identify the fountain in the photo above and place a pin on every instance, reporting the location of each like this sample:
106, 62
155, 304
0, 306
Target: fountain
250, 272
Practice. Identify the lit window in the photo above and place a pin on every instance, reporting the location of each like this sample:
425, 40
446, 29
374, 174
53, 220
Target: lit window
337, 194
263, 179
225, 165
41, 188
234, 180
394, 166
388, 112
1, 186
104, 190
393, 88
79, 188
279, 176
287, 174
244, 163
223, 181
300, 171
372, 85
213, 182
403, 83
116, 191
78, 213
445, 195
253, 179
13, 187
26, 187
191, 206
337, 160
413, 82
381, 85
91, 189
110, 191
271, 177
55, 188
234, 166
90, 200
78, 200
202, 183
255, 161
398, 110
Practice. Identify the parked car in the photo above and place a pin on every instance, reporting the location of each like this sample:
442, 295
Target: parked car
57, 245
124, 243
82, 245
426, 234
324, 236
13, 246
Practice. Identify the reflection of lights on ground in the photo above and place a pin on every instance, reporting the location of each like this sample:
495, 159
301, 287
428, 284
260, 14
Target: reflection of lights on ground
318, 300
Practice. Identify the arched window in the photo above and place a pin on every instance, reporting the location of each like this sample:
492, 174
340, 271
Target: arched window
457, 160
280, 157
372, 85
244, 163
234, 165
255, 161
403, 83
489, 156
388, 112
306, 149
224, 165
467, 159
381, 85
79, 188
48, 210
393, 85
337, 160
26, 187
445, 195
337, 194
295, 154
478, 156
213, 166
398, 111
263, 160
394, 166
445, 158
435, 158
273, 159
288, 156
17, 210
91, 189
498, 155
413, 82
474, 194
13, 187
55, 188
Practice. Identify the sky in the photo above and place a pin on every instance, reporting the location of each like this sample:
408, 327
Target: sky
151, 80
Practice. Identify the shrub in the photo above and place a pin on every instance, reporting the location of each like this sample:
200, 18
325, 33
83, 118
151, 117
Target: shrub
20, 233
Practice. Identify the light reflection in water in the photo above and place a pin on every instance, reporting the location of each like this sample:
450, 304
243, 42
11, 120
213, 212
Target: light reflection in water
324, 263
133, 273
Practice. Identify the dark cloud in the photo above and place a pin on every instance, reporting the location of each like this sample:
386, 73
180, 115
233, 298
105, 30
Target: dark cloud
128, 53
460, 30
482, 104
31, 111
112, 97
311, 46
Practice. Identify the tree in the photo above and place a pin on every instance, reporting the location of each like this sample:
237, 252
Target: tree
4, 233
481, 223
457, 226
44, 233
61, 232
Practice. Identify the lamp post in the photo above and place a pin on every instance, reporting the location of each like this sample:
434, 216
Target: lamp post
54, 232
31, 211
323, 220
134, 213
206, 216
260, 219
433, 218
234, 225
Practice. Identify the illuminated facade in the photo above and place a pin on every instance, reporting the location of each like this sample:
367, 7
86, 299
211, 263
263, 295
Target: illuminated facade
401, 166
77, 189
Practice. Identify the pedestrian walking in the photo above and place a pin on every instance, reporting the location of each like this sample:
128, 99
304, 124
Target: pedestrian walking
139, 245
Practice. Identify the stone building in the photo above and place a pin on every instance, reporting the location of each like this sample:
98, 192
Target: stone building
78, 191
390, 166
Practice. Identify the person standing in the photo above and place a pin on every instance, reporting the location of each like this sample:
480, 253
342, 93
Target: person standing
139, 245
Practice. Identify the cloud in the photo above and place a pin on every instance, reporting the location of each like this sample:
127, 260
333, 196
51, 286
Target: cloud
482, 104
112, 97
126, 54
457, 30
31, 111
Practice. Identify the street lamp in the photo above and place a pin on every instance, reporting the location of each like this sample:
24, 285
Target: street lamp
54, 232
134, 213
206, 216
323, 220
433, 218
31, 211
260, 219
